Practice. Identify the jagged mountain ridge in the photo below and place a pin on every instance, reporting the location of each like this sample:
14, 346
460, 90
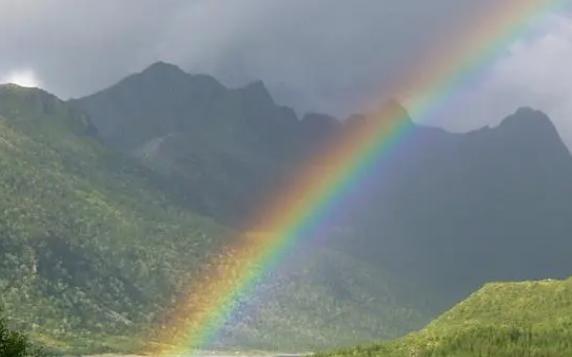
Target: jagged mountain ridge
492, 202
208, 138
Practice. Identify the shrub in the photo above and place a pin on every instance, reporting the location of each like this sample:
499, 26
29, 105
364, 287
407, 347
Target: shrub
16, 344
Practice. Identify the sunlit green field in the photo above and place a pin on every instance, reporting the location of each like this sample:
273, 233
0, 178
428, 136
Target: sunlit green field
501, 319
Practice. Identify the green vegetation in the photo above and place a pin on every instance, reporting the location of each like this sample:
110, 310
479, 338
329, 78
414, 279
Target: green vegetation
95, 251
97, 246
15, 344
89, 248
501, 319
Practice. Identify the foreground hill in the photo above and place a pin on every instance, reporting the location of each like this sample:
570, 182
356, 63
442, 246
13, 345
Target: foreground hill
501, 319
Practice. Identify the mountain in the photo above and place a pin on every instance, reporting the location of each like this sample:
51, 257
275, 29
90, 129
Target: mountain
530, 318
96, 249
224, 148
321, 299
163, 100
494, 203
89, 246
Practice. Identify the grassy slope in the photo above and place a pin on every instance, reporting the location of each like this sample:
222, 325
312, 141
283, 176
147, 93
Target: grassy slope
501, 319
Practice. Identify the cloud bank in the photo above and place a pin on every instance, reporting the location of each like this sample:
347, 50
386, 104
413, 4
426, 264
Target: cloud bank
316, 55
535, 71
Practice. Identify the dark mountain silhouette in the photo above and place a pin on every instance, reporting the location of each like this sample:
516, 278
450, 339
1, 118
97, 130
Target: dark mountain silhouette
456, 210
449, 211
225, 148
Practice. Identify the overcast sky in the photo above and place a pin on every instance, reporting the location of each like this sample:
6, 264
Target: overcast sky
315, 55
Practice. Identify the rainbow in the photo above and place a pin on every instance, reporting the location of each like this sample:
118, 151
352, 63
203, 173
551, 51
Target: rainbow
302, 206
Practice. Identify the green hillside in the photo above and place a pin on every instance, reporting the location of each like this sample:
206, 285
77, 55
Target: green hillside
501, 319
94, 251
88, 245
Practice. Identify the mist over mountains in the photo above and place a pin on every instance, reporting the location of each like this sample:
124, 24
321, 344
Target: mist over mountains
129, 190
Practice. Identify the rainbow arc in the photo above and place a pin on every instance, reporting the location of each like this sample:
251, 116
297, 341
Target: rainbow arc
302, 206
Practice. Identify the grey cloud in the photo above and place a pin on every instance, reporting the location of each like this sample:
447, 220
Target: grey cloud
75, 46
319, 54
314, 54
534, 72
324, 55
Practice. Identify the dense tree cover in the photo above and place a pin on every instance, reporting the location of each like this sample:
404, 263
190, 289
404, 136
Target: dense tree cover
15, 344
502, 319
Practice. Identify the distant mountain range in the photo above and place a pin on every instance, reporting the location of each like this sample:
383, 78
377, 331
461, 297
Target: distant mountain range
225, 147
454, 211
493, 203
110, 203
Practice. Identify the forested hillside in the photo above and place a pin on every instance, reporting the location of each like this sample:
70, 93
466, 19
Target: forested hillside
88, 244
96, 249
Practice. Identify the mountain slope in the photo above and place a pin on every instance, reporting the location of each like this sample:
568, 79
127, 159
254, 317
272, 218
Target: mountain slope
95, 251
501, 319
493, 203
324, 298
88, 244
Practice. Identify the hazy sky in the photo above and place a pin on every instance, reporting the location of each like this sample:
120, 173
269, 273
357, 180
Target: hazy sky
319, 55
